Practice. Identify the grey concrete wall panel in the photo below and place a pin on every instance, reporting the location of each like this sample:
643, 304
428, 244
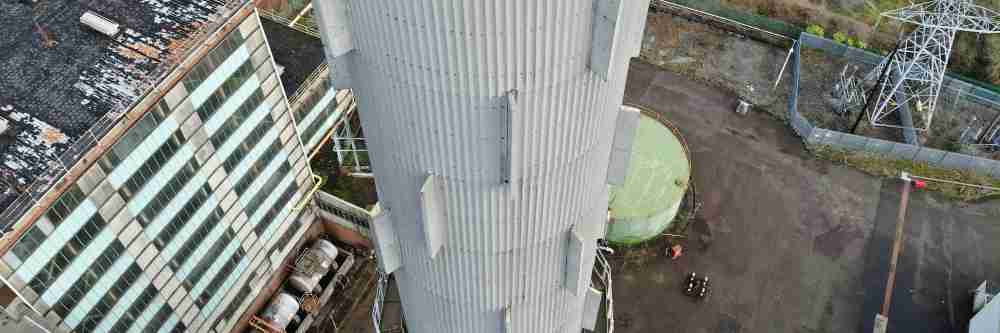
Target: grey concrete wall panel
981, 165
607, 26
621, 150
957, 161
995, 172
931, 156
904, 151
591, 308
432, 202
822, 136
853, 142
879, 147
429, 75
386, 242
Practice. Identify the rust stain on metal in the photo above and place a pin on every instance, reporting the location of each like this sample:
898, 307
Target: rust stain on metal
51, 135
8, 239
129, 53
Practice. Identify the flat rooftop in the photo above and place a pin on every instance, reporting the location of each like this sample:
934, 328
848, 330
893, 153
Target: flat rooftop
60, 77
300, 54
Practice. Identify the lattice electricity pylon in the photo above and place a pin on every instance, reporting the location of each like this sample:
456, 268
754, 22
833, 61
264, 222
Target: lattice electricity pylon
911, 76
849, 91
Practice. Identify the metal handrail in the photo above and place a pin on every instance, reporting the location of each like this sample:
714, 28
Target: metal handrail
297, 25
349, 208
310, 82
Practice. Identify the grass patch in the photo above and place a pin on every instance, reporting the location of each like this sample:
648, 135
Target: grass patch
882, 167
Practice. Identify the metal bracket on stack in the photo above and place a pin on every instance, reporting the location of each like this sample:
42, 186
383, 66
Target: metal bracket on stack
386, 243
607, 24
621, 150
334, 20
433, 206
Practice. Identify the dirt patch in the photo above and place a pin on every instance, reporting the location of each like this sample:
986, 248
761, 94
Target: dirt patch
833, 243
737, 64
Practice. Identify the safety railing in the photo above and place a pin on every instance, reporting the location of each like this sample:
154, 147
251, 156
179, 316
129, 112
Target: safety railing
338, 207
303, 26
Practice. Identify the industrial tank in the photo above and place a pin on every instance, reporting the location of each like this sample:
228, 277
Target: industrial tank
281, 311
313, 265
658, 175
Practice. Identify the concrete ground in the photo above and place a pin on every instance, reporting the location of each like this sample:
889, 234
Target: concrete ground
792, 244
788, 240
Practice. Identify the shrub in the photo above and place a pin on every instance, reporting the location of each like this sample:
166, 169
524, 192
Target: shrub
852, 42
840, 37
816, 29
862, 44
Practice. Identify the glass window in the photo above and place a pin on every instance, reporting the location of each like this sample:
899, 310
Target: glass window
99, 311
89, 278
275, 209
55, 267
65, 205
182, 218
29, 243
152, 165
210, 257
196, 239
267, 189
219, 278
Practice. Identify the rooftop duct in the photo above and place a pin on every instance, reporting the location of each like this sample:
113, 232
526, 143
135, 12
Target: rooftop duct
100, 23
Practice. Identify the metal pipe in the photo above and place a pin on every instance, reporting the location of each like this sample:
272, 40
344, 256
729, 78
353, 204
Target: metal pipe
897, 246
305, 200
787, 59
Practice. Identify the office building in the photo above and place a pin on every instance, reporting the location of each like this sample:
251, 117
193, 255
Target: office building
153, 174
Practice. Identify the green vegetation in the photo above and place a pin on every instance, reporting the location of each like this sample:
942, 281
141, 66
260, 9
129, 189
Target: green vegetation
816, 29
882, 167
840, 37
976, 57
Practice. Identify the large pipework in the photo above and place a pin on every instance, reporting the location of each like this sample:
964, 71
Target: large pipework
489, 126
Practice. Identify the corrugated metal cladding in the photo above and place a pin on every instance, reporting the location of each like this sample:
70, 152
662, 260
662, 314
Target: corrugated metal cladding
432, 79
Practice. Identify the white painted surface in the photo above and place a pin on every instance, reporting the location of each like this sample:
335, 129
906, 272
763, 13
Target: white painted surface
987, 320
431, 78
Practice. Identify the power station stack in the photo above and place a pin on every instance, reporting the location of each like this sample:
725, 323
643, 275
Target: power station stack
494, 129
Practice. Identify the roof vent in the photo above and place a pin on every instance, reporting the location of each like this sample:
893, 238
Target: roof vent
100, 23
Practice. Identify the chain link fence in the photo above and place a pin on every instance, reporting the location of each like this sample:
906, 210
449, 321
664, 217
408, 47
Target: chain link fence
716, 7
954, 91
716, 15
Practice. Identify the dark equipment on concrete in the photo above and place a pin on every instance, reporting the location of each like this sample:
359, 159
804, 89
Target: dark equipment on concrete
697, 286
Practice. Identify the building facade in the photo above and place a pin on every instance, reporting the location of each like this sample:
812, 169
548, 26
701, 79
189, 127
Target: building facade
189, 209
489, 127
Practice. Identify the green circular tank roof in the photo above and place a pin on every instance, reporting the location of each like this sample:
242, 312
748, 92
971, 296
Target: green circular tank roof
657, 178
